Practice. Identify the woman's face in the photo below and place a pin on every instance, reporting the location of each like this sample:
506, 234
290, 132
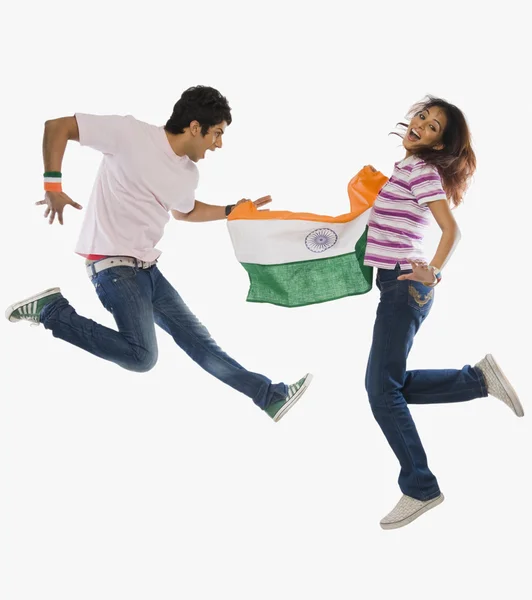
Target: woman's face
426, 130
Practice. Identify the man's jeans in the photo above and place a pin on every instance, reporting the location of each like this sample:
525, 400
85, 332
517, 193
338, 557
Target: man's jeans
137, 299
403, 306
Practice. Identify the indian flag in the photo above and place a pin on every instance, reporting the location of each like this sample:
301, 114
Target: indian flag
295, 259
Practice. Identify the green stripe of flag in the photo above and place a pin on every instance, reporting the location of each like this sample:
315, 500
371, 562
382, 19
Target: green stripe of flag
312, 281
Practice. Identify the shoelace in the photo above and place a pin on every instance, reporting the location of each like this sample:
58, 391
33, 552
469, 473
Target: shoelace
29, 316
292, 389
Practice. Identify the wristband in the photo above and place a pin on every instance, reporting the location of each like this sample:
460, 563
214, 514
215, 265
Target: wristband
228, 209
52, 181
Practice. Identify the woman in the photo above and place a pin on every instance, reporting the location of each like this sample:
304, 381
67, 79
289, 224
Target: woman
434, 175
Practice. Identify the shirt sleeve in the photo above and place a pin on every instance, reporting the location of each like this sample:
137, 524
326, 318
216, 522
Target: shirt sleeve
106, 133
426, 184
185, 201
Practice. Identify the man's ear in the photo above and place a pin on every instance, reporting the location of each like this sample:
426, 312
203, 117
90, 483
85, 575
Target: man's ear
195, 127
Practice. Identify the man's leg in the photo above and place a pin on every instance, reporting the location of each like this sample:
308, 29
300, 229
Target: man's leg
126, 293
173, 315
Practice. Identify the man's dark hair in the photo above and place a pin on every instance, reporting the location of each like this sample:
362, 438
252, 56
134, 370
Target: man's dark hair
200, 103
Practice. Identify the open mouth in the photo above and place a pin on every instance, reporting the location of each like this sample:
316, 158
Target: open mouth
413, 135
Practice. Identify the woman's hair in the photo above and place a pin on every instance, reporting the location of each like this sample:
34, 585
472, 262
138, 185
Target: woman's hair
456, 161
200, 103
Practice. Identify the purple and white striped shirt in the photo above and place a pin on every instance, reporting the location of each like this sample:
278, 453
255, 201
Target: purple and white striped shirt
400, 215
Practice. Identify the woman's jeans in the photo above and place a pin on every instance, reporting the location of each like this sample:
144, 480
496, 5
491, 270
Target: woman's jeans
403, 306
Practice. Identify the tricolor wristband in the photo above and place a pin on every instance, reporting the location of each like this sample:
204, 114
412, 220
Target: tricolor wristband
52, 181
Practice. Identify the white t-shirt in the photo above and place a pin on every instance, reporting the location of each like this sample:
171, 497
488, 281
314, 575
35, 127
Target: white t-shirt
400, 215
139, 181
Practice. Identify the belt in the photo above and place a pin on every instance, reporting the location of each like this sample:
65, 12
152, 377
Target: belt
116, 261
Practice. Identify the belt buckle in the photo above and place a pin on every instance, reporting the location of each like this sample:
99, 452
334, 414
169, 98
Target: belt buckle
142, 264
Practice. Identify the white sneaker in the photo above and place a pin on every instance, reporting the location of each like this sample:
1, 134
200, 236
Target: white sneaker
408, 509
497, 384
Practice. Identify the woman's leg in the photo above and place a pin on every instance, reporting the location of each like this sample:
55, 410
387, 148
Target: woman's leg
402, 308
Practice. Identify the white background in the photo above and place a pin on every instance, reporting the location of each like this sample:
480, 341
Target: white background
167, 485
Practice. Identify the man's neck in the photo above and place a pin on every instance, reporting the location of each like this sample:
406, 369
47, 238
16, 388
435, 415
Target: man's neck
177, 142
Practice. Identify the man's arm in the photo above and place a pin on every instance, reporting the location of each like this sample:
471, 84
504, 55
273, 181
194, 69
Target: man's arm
209, 212
57, 133
201, 213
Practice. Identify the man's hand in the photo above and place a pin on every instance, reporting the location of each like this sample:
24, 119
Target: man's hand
258, 203
55, 203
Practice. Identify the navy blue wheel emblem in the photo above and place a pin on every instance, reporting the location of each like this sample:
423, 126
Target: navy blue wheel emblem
321, 239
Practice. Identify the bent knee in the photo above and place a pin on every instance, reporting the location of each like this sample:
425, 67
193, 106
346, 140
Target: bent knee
377, 400
374, 390
143, 361
386, 400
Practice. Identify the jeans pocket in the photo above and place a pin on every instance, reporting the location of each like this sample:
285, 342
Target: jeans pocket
102, 296
420, 297
113, 284
120, 273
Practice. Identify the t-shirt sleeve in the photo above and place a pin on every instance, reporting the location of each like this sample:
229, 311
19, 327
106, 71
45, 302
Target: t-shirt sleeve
106, 133
185, 200
426, 184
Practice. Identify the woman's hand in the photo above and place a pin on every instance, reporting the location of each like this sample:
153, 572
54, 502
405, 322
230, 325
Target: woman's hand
420, 272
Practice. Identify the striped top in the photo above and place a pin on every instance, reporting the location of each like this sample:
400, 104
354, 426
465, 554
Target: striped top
400, 215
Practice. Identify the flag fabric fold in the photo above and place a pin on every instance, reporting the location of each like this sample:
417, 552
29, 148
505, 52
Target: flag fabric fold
296, 259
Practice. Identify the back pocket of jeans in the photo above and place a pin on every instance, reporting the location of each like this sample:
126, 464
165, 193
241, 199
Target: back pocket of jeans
420, 297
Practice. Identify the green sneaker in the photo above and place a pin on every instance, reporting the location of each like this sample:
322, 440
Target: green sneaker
31, 308
278, 409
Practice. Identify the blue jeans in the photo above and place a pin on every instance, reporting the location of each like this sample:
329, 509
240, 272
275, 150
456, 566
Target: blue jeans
137, 299
403, 306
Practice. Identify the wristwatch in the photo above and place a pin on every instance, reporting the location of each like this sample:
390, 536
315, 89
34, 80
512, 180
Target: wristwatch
437, 275
228, 209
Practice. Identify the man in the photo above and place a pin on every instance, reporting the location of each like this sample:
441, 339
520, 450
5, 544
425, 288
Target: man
146, 172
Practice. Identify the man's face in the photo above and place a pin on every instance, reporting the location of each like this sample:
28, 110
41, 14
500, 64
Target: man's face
210, 141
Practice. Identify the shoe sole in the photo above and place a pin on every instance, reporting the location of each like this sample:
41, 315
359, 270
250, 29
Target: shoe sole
293, 399
14, 307
414, 516
512, 394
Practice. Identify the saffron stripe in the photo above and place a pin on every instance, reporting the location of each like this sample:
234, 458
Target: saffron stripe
53, 187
